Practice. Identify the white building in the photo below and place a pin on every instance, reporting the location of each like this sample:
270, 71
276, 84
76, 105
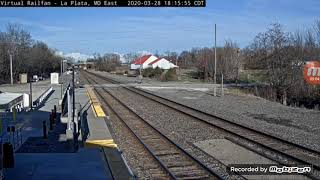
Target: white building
144, 61
150, 61
162, 63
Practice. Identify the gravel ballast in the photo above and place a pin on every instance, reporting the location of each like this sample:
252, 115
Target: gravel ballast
180, 128
272, 118
298, 125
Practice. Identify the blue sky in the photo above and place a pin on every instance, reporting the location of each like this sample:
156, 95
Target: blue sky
102, 30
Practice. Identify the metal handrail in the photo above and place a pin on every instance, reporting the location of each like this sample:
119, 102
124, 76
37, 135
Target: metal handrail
43, 96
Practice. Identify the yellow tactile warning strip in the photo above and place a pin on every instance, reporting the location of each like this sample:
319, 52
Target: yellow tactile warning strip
99, 110
100, 143
96, 107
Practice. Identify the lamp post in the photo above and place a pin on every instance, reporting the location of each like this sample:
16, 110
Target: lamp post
140, 70
61, 67
11, 74
215, 60
73, 95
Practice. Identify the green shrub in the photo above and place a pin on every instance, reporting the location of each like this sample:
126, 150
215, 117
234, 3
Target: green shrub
151, 73
147, 72
171, 75
157, 72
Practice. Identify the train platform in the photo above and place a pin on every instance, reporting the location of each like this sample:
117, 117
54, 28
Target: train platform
96, 130
38, 88
97, 133
52, 158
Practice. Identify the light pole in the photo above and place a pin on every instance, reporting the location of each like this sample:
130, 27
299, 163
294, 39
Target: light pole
140, 70
11, 51
215, 60
61, 67
11, 75
73, 95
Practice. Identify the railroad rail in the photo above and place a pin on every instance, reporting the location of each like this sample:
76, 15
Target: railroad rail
298, 153
177, 162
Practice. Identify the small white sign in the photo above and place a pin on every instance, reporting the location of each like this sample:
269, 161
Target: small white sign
54, 78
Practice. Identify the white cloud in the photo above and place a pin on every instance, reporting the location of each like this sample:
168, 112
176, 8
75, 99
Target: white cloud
49, 28
144, 52
77, 56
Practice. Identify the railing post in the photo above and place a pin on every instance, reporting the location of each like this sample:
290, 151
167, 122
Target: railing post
222, 90
44, 128
51, 122
69, 109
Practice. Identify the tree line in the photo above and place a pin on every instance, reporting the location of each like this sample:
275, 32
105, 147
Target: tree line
278, 55
282, 55
107, 62
28, 55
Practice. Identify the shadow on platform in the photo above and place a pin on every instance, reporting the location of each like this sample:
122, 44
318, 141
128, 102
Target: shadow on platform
56, 142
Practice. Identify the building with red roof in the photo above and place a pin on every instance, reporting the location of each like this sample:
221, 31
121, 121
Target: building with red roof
143, 61
150, 61
162, 63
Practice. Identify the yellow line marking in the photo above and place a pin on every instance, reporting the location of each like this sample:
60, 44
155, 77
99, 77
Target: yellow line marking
94, 112
95, 104
99, 143
99, 110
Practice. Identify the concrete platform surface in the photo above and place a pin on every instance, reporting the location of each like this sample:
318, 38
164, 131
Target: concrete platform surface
96, 127
83, 165
30, 164
32, 121
97, 135
228, 153
37, 88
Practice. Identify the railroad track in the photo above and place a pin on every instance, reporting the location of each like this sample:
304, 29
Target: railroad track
177, 162
295, 152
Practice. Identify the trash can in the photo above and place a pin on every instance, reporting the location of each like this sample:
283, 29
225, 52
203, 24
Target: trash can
8, 156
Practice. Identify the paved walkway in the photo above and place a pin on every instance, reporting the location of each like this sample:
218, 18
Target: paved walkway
37, 88
97, 135
83, 165
48, 159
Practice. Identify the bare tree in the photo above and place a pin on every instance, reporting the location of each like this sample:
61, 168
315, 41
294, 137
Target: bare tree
108, 62
317, 31
130, 57
229, 64
271, 48
27, 56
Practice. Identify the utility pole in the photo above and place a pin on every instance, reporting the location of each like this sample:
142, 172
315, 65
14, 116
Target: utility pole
222, 90
11, 74
61, 67
30, 94
215, 60
73, 95
140, 70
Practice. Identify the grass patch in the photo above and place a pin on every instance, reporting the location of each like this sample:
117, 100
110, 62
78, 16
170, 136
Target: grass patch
253, 76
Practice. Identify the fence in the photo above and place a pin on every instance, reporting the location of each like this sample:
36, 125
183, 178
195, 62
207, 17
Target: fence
64, 101
12, 135
42, 97
10, 131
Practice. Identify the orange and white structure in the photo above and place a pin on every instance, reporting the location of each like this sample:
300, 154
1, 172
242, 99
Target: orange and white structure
311, 72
